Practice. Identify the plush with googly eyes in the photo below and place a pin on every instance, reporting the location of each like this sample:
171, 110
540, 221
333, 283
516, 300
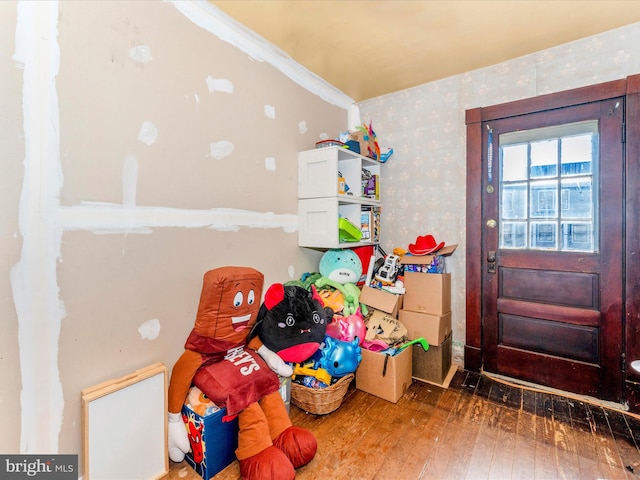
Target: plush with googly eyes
219, 360
292, 322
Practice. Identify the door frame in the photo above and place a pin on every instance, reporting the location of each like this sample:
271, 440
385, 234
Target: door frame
476, 148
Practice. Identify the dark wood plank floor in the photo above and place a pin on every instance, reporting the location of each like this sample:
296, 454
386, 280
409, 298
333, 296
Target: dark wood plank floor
478, 428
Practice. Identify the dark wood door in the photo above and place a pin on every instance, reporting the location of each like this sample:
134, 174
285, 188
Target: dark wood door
552, 229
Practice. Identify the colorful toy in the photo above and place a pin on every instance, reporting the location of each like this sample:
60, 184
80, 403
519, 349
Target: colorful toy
332, 299
292, 322
341, 265
320, 373
386, 155
350, 293
370, 139
237, 378
389, 270
349, 328
199, 402
337, 357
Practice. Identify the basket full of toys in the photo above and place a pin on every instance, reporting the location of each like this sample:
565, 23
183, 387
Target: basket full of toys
319, 385
320, 401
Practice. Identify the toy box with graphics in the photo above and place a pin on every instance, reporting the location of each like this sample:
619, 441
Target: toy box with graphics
213, 442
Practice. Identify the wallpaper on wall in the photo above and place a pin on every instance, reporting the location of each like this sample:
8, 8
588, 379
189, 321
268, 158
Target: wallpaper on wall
424, 181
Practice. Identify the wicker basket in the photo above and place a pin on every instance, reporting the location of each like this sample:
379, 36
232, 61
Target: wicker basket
320, 401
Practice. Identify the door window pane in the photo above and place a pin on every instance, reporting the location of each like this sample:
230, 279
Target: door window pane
576, 154
547, 199
514, 161
514, 201
544, 203
543, 235
514, 234
544, 159
577, 198
577, 236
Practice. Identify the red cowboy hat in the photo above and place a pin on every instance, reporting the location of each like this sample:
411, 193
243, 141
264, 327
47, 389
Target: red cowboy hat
425, 244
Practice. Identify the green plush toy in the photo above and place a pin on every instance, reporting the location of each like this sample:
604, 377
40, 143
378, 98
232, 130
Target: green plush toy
341, 269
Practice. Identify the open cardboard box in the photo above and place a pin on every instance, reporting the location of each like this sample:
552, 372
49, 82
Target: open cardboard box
385, 376
409, 259
378, 299
434, 365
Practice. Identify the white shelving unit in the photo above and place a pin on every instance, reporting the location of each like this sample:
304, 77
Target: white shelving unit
321, 202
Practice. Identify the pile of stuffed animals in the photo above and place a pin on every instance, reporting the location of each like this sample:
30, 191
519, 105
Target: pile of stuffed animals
309, 329
340, 352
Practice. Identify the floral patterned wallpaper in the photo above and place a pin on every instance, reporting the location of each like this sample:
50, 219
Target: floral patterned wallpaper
423, 184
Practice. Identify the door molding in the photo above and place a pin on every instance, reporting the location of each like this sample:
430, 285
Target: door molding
476, 148
631, 265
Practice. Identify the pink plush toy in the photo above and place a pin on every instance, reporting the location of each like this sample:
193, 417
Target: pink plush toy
347, 329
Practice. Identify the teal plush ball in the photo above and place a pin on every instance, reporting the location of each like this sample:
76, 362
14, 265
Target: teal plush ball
341, 265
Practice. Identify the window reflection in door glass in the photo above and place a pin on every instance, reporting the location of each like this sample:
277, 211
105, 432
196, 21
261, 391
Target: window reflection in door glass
547, 199
544, 159
576, 154
515, 162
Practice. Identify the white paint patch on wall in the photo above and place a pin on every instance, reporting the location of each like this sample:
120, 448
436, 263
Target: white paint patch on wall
148, 133
141, 53
270, 111
292, 272
219, 85
324, 136
150, 329
129, 180
302, 127
113, 218
221, 149
270, 164
33, 279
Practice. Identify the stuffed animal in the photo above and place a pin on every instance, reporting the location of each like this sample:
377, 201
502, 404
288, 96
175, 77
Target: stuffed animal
347, 329
338, 358
341, 265
340, 270
292, 322
199, 403
350, 294
216, 359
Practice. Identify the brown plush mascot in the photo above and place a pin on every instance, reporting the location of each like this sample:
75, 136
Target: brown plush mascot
217, 361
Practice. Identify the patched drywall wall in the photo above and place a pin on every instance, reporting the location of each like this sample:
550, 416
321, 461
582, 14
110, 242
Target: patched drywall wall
425, 180
142, 149
13, 151
175, 152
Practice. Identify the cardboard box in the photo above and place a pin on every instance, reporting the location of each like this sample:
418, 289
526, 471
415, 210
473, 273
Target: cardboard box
433, 365
213, 442
366, 142
380, 300
434, 328
427, 292
427, 263
389, 381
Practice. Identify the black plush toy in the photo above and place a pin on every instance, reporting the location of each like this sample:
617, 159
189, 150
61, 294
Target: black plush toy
292, 322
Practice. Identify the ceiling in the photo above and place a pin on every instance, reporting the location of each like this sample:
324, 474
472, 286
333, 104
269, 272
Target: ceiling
370, 48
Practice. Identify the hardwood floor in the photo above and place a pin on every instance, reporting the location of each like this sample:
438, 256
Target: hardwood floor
478, 428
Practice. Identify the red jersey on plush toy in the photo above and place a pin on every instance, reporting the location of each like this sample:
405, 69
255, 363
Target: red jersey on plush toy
230, 375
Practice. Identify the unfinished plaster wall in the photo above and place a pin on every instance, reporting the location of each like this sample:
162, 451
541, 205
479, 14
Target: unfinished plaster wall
425, 180
13, 150
152, 150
